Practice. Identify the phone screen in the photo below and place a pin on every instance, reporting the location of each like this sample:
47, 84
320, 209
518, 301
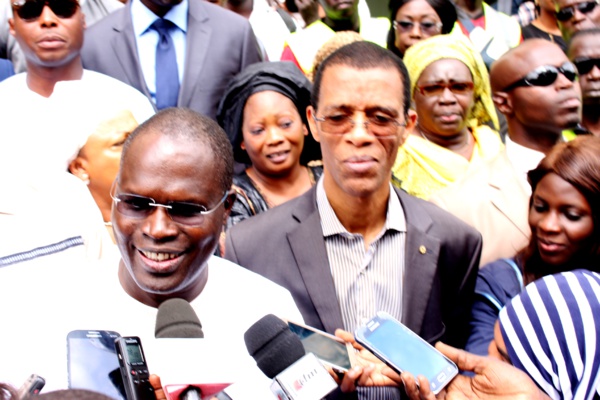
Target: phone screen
406, 351
325, 347
134, 353
93, 362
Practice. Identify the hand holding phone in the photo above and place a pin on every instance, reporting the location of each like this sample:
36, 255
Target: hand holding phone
403, 350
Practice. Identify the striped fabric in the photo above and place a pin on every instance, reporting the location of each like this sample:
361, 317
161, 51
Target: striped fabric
552, 331
366, 281
41, 251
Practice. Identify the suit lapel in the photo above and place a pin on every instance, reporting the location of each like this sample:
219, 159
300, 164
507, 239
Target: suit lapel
508, 195
125, 48
420, 266
308, 247
197, 43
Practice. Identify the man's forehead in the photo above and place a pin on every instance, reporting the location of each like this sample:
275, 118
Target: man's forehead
587, 45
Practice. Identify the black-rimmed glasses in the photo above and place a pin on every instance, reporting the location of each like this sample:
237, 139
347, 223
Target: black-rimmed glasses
545, 75
139, 207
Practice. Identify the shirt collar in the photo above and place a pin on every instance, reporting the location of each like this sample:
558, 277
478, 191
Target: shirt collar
144, 17
331, 225
523, 159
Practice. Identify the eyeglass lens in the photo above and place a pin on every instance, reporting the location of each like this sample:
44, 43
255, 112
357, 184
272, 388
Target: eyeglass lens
567, 13
32, 9
378, 125
584, 66
426, 27
437, 89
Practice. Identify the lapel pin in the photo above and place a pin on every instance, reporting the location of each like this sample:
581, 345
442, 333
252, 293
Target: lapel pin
422, 249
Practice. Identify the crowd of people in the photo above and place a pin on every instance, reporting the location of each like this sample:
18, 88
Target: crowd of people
308, 160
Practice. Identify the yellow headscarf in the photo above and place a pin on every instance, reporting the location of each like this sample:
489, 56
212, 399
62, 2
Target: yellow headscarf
420, 55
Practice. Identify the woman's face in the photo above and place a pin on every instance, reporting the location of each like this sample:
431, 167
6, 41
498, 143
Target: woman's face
273, 133
561, 220
443, 98
415, 21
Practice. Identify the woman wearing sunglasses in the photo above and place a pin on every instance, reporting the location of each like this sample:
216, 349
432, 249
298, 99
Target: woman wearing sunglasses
263, 113
563, 217
574, 16
452, 100
415, 20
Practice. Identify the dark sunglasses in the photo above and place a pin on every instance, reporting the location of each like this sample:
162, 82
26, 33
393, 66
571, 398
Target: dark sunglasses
436, 89
29, 10
545, 75
585, 65
565, 14
427, 27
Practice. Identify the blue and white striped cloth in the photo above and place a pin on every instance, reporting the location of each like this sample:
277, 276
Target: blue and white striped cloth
552, 332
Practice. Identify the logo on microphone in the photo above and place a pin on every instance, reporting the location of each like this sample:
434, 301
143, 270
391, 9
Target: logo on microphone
299, 383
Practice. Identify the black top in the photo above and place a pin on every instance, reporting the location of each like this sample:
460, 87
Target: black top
532, 32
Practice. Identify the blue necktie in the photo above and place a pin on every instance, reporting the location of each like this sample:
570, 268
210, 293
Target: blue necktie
167, 77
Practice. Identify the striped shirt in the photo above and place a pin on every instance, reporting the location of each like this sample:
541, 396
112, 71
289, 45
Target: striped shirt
366, 281
552, 332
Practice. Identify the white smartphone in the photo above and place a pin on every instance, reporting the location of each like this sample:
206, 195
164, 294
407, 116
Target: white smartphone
330, 350
404, 350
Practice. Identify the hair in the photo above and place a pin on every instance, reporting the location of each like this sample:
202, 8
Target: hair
577, 162
363, 55
443, 8
71, 394
183, 123
591, 32
7, 392
338, 40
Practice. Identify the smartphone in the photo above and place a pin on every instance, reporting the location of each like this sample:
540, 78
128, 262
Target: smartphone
404, 350
32, 386
330, 350
134, 371
93, 364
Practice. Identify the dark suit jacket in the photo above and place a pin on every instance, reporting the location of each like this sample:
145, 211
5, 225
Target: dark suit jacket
286, 245
220, 44
6, 69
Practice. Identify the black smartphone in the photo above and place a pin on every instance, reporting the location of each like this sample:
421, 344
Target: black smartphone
330, 350
134, 370
93, 363
404, 350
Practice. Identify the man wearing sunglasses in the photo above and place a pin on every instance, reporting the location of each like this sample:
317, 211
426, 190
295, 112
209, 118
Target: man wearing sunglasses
48, 111
177, 52
576, 15
584, 52
94, 10
535, 87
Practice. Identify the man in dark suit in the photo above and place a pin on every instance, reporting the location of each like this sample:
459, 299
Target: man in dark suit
352, 245
211, 45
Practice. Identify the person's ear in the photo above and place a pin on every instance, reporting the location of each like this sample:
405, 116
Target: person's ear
79, 168
411, 122
229, 201
310, 114
503, 102
304, 130
243, 146
11, 26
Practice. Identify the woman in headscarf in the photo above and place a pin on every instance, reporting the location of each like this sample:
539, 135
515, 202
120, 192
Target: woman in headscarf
551, 331
565, 233
452, 99
263, 113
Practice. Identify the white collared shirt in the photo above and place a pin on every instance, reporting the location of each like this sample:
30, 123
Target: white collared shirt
147, 38
523, 160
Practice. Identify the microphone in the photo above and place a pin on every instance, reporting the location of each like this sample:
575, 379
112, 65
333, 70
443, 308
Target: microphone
177, 319
280, 355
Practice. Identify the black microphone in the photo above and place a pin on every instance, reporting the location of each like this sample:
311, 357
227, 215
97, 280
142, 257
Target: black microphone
177, 319
280, 355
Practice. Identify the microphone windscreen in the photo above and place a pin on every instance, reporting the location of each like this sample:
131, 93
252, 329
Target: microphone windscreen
176, 319
272, 345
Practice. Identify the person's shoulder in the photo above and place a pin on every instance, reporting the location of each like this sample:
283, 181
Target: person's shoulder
205, 9
106, 24
13, 81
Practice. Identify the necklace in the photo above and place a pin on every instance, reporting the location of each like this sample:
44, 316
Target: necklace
462, 146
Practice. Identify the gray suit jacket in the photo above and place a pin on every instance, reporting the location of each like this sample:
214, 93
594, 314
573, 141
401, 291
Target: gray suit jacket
220, 44
286, 245
493, 201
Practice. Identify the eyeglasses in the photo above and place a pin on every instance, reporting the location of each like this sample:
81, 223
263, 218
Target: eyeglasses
377, 125
29, 10
585, 65
545, 75
427, 27
437, 89
139, 207
565, 14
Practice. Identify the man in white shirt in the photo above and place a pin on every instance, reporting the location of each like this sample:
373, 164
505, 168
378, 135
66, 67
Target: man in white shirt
495, 198
46, 111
